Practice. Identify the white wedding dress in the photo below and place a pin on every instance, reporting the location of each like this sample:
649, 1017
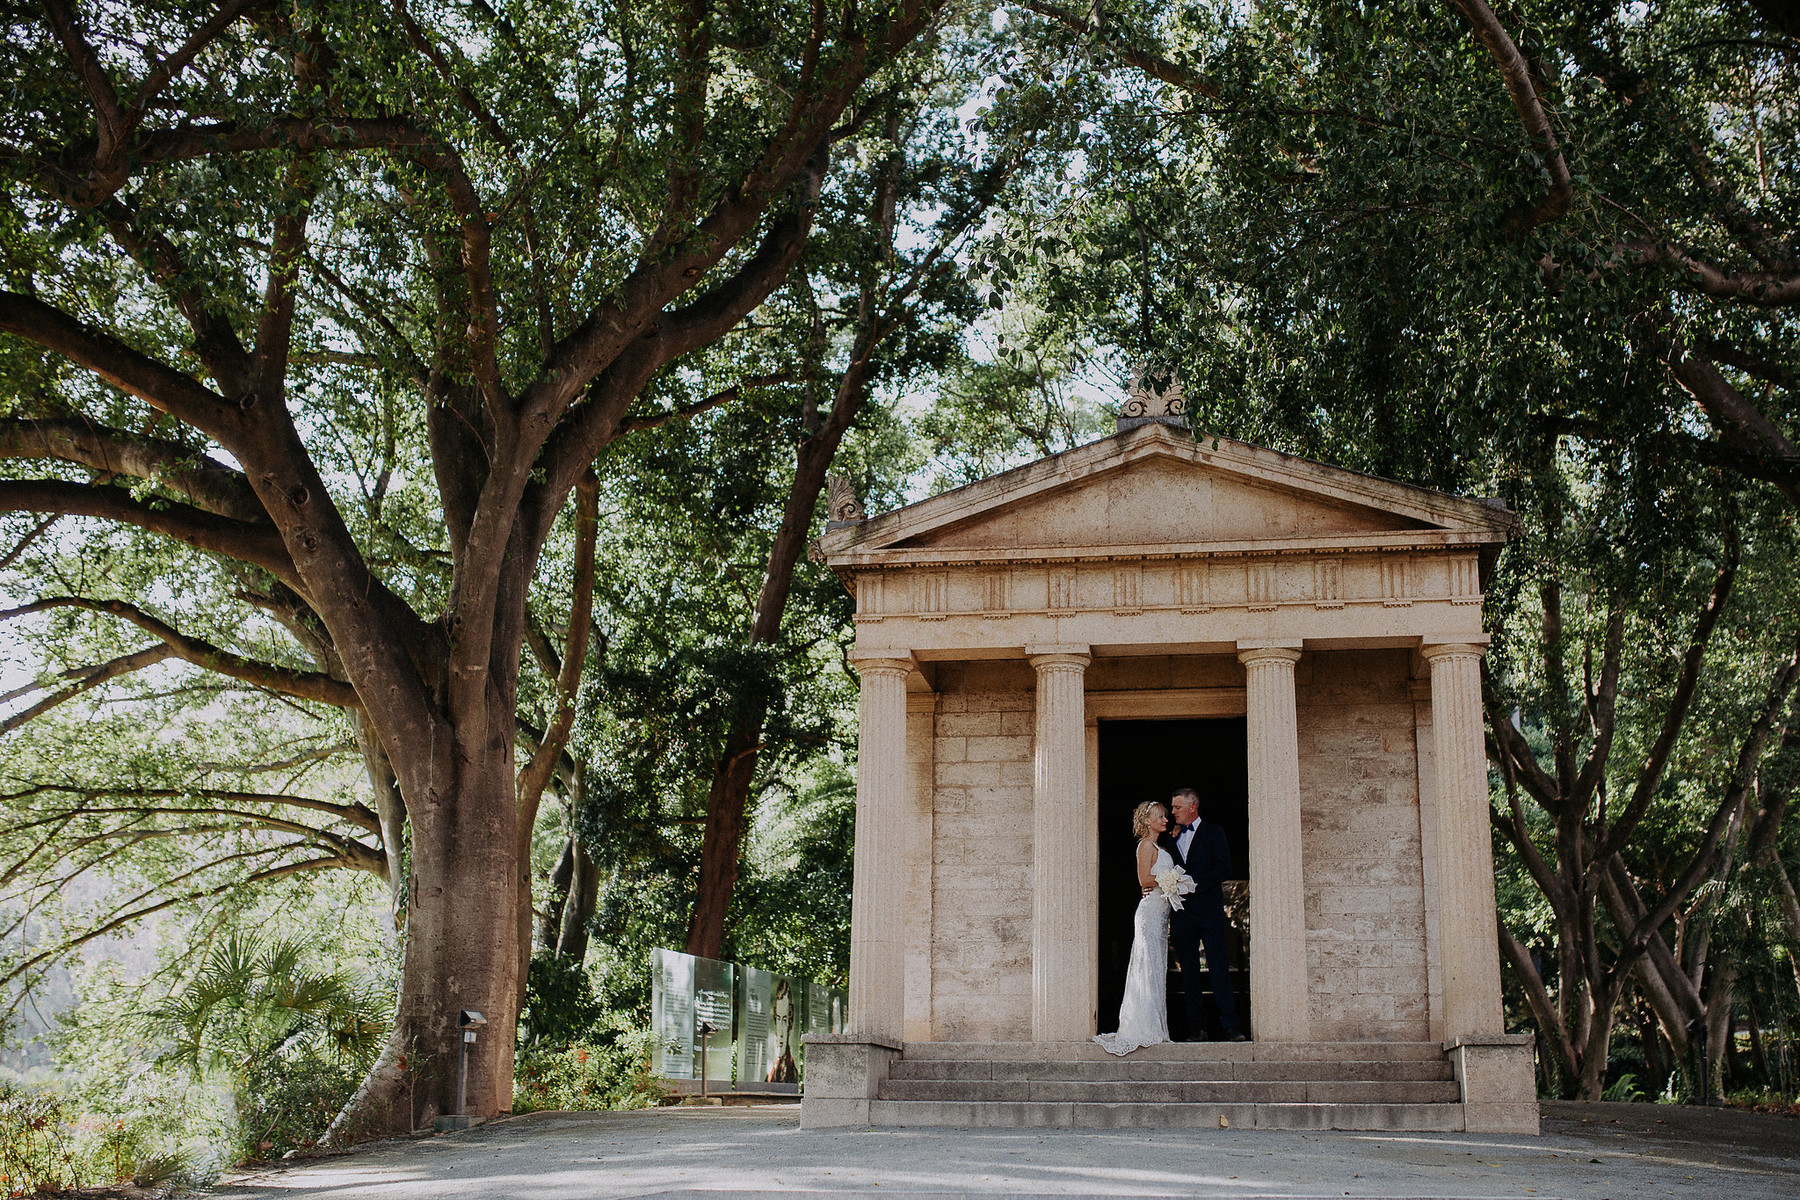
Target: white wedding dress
1144, 1013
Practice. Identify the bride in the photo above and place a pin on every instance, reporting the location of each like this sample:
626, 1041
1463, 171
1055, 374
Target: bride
1144, 1014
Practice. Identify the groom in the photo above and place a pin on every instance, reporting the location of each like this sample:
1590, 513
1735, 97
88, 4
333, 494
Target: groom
1201, 851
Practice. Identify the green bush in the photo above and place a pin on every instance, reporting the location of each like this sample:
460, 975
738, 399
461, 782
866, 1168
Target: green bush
1625, 1089
605, 1069
288, 1102
559, 1002
44, 1150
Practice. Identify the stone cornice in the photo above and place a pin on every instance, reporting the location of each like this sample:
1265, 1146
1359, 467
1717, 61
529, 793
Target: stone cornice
1424, 540
1469, 521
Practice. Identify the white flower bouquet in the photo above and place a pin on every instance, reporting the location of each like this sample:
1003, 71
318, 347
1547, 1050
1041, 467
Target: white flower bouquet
1174, 884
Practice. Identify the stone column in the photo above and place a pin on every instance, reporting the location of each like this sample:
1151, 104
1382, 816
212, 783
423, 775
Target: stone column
921, 729
1063, 947
1465, 857
878, 894
1278, 976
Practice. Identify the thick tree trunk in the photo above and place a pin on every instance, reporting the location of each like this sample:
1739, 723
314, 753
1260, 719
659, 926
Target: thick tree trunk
723, 839
1720, 997
459, 954
561, 876
1595, 1051
578, 909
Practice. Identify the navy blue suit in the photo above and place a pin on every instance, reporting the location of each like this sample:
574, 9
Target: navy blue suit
1201, 919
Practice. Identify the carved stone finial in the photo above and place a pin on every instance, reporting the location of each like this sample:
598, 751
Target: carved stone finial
841, 504
1147, 402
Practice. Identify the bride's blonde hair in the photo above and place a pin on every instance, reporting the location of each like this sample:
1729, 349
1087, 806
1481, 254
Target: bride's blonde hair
1140, 817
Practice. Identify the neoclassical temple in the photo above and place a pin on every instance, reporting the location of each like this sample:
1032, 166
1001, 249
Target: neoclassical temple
1043, 649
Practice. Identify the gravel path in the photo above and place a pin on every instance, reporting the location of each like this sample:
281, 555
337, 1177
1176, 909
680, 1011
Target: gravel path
1590, 1151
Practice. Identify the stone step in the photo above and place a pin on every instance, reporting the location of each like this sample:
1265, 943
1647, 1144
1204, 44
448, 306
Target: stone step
1071, 1115
1190, 1071
1305, 1052
1050, 1091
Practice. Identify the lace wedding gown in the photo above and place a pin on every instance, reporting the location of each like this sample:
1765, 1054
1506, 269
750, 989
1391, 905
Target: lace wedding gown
1144, 1014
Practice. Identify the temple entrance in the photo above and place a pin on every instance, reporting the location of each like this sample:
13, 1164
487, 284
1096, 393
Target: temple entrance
1147, 760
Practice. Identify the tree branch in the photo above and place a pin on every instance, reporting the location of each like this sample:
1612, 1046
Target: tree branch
1650, 774
258, 545
1764, 289
537, 772
119, 920
205, 481
305, 685
689, 411
1737, 420
1516, 73
90, 678
1153, 65
160, 386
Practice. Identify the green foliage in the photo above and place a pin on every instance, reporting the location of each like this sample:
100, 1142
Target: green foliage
46, 1149
793, 906
287, 1101
1624, 1089
559, 1001
253, 1002
608, 1068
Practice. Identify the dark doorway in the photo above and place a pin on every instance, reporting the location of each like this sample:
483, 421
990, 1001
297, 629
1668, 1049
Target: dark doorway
1148, 760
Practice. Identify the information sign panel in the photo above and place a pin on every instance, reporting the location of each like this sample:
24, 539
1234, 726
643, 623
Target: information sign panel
684, 991
758, 1019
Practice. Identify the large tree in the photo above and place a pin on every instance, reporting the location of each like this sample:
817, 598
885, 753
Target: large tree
229, 227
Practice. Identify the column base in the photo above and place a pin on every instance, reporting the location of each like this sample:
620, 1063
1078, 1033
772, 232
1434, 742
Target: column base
843, 1073
1499, 1084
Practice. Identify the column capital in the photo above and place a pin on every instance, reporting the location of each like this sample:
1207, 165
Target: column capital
1465, 646
1059, 655
882, 662
1268, 651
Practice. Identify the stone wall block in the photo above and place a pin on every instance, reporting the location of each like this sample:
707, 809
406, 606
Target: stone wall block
998, 749
968, 724
1499, 1089
841, 1079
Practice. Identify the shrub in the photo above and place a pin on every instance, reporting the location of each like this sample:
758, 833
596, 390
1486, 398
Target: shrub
1626, 1089
606, 1069
559, 1002
46, 1151
288, 1102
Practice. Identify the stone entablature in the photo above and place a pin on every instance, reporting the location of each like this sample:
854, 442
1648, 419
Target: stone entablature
1193, 585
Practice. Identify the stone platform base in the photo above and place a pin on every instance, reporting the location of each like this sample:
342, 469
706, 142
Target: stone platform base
1418, 1086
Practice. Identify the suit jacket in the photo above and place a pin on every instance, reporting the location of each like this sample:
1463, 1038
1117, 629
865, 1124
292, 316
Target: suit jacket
1208, 860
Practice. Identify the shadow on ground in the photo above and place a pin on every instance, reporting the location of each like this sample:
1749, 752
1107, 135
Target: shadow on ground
1597, 1151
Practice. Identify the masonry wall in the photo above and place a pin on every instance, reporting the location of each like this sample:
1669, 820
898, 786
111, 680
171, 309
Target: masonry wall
981, 853
1359, 812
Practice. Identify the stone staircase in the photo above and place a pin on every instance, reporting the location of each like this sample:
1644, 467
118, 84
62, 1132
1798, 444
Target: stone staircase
1248, 1085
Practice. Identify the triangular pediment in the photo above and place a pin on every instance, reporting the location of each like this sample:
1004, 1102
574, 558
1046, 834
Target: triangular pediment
1154, 490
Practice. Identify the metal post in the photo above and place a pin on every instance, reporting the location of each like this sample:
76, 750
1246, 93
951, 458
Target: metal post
705, 1033
462, 1074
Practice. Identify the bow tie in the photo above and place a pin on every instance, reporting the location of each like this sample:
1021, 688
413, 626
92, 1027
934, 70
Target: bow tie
1188, 829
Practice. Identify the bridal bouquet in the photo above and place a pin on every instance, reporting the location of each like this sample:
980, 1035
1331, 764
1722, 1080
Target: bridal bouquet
1174, 884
